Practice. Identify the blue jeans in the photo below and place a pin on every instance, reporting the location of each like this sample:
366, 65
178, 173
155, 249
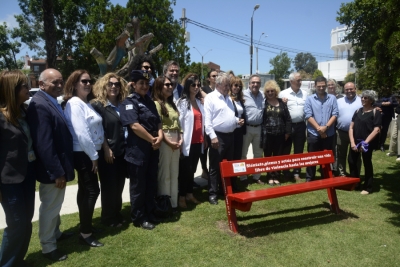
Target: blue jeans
18, 204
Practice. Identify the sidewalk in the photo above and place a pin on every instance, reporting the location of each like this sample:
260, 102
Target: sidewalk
69, 206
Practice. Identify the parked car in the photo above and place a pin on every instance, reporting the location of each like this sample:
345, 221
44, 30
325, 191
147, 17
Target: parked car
32, 92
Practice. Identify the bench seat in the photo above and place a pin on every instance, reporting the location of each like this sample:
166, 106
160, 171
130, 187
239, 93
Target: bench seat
343, 183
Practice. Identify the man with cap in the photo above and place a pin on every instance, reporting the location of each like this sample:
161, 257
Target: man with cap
139, 114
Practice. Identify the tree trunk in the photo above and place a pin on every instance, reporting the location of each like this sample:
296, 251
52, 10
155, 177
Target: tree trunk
50, 32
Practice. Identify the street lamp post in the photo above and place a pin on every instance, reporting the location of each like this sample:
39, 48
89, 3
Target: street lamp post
258, 44
251, 45
202, 57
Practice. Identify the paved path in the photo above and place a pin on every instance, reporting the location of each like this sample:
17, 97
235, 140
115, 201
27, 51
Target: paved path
69, 206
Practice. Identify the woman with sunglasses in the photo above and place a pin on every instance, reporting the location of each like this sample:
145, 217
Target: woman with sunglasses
110, 90
86, 127
17, 183
276, 126
139, 114
191, 117
363, 133
145, 63
236, 95
168, 166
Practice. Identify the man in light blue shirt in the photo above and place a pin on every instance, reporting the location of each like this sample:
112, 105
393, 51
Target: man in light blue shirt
320, 111
347, 106
254, 104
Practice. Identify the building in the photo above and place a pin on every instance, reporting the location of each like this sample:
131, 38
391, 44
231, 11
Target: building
340, 66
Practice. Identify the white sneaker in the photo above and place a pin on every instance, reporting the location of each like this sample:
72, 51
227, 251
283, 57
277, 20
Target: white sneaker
390, 154
364, 192
398, 159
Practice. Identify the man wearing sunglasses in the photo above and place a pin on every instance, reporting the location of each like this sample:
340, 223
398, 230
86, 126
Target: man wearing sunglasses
171, 71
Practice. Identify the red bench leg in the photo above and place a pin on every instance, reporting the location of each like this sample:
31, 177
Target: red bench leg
231, 212
333, 200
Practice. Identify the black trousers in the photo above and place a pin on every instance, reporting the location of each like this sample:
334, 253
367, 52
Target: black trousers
386, 120
88, 190
143, 187
238, 147
274, 147
112, 181
297, 139
203, 157
224, 151
368, 167
316, 143
187, 168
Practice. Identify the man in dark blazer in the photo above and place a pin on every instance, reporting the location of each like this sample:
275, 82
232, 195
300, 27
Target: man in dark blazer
52, 142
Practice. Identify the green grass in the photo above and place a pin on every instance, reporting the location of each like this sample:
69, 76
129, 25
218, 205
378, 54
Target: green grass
296, 230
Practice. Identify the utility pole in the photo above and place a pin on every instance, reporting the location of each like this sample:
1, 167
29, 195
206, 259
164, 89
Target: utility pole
251, 45
202, 63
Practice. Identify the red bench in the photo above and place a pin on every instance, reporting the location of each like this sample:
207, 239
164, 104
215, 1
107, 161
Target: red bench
242, 201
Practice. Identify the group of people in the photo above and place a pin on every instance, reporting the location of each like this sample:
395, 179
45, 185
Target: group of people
154, 131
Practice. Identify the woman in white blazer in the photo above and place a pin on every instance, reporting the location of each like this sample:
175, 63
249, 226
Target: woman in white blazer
191, 118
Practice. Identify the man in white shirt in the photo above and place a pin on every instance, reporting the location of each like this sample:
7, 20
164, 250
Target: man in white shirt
296, 99
220, 122
347, 106
254, 104
171, 71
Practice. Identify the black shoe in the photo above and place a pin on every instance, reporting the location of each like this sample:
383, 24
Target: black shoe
56, 255
90, 241
145, 225
154, 219
64, 235
97, 230
213, 200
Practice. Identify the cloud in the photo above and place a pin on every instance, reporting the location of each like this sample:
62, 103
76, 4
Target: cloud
10, 21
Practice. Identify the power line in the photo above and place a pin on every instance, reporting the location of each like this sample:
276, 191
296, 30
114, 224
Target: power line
247, 41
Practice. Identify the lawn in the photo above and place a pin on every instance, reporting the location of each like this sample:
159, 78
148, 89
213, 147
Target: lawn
296, 230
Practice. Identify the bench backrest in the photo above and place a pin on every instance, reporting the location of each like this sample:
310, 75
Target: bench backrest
278, 163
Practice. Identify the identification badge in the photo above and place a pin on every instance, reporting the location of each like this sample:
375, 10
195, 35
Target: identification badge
31, 156
128, 107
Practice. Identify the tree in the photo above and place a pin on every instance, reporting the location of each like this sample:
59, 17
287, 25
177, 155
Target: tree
195, 67
306, 62
8, 49
317, 73
281, 64
304, 75
350, 77
374, 31
83, 24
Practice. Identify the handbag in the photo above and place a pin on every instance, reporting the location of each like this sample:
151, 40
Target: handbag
163, 206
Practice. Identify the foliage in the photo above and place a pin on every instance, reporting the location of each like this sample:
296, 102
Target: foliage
8, 49
317, 73
304, 75
196, 68
375, 35
350, 77
281, 64
306, 62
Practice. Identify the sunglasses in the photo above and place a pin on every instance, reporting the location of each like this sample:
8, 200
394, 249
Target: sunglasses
146, 67
237, 85
84, 81
195, 85
168, 84
117, 84
270, 91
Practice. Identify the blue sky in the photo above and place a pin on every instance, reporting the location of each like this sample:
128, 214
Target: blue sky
302, 25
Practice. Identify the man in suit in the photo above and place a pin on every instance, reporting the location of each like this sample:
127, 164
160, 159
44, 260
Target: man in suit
171, 71
52, 142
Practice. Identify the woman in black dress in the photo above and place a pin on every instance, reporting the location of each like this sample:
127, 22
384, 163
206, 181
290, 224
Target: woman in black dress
364, 129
